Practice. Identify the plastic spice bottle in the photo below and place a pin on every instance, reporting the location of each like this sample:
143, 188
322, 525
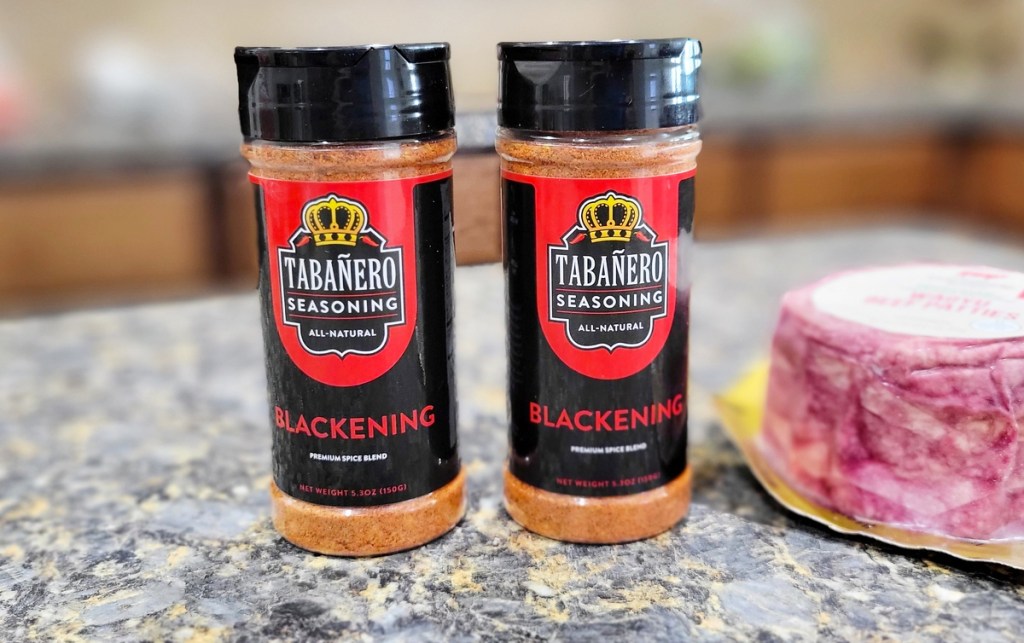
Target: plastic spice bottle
598, 147
350, 152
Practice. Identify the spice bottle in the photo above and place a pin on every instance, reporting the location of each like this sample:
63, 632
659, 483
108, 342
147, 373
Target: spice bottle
598, 147
350, 151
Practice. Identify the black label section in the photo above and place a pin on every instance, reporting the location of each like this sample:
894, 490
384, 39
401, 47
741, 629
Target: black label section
573, 434
391, 439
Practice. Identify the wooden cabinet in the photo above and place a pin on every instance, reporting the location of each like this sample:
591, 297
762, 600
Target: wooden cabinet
992, 182
88, 238
477, 207
238, 224
112, 237
809, 180
720, 192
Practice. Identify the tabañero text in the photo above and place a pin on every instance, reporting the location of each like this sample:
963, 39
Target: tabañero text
342, 286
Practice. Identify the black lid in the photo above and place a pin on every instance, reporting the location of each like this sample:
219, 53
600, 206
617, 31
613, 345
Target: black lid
598, 86
356, 93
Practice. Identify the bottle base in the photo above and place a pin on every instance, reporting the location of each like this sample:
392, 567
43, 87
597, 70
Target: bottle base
369, 531
614, 519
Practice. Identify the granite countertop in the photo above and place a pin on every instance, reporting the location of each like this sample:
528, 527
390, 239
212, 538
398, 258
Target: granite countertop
134, 463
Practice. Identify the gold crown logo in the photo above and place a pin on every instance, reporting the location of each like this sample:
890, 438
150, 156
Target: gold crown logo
334, 220
610, 217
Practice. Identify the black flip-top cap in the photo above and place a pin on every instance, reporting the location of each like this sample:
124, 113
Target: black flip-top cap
338, 94
598, 86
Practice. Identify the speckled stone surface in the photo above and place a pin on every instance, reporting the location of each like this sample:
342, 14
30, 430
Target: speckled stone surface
134, 452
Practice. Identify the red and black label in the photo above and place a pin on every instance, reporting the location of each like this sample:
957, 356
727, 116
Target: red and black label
597, 303
355, 288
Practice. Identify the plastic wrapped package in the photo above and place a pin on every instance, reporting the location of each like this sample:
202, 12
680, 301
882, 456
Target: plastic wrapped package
895, 398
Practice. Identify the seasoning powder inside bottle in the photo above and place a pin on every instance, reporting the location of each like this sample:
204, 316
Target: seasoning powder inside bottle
598, 148
350, 150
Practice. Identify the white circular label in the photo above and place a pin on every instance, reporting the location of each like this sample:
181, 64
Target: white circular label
955, 302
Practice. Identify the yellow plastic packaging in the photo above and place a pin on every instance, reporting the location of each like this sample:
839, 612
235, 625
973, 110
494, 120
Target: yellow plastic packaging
741, 409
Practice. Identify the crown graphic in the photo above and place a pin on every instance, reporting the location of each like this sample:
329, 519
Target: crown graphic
334, 220
610, 217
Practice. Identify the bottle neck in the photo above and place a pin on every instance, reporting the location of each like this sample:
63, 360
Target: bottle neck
669, 135
633, 153
356, 161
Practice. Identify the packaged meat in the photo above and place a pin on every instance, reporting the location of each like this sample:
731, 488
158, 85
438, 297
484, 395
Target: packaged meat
895, 398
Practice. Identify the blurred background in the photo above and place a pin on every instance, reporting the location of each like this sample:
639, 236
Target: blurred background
120, 178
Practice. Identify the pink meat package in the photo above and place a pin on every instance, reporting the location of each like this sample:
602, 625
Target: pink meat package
895, 398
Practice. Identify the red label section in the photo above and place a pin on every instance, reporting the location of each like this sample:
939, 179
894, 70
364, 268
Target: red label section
607, 255
342, 260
